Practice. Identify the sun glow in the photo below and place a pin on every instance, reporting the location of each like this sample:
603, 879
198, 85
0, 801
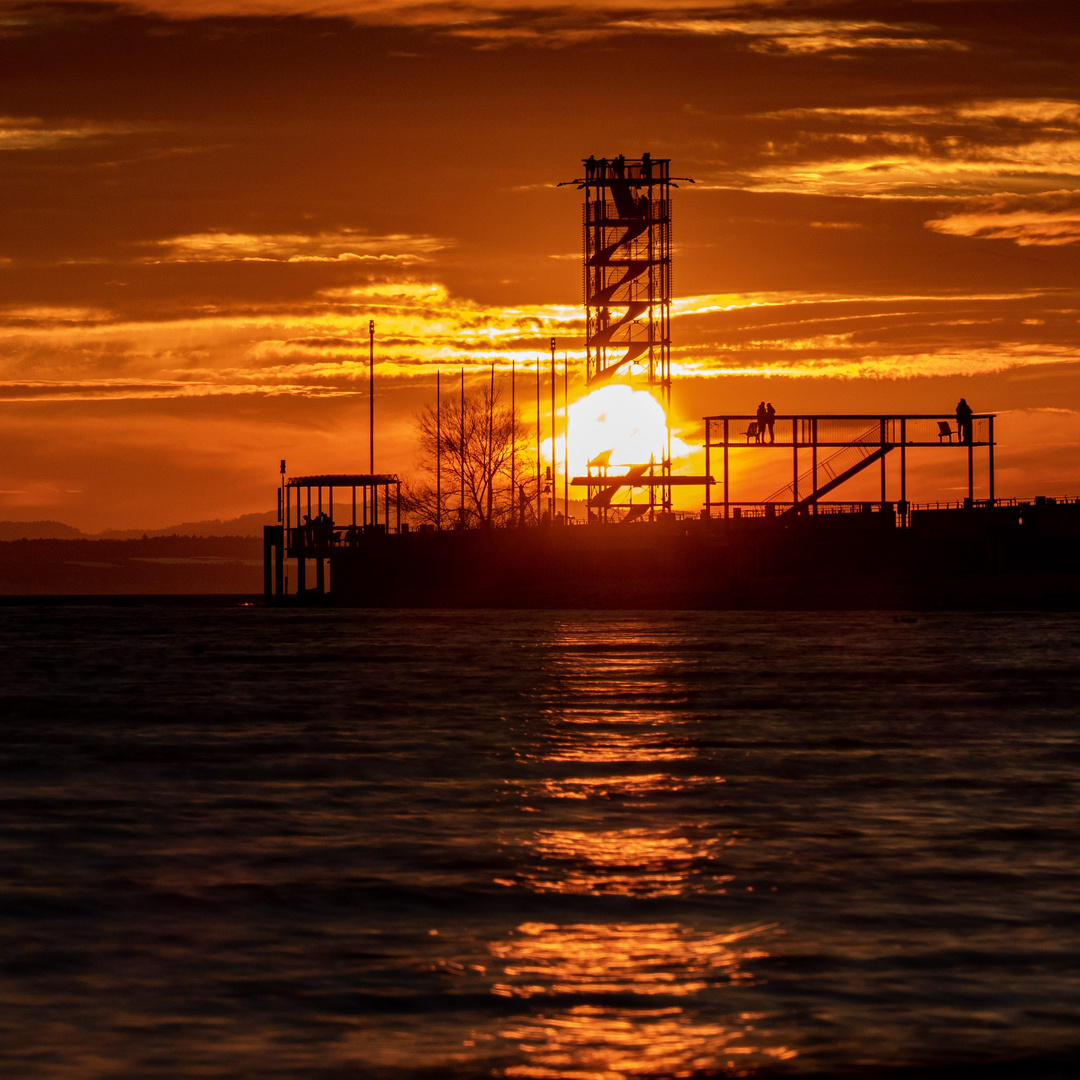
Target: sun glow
630, 423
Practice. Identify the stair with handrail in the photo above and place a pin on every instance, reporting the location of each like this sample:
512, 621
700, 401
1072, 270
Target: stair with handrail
837, 469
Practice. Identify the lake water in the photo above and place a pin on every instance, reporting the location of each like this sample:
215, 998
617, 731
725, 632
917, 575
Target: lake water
245, 843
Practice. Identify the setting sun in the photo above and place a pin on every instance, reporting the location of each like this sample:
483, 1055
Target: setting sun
630, 423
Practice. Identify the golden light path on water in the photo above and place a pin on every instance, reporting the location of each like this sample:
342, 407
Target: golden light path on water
660, 975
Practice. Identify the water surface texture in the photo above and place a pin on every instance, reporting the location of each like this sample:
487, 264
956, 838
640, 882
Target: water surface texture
240, 842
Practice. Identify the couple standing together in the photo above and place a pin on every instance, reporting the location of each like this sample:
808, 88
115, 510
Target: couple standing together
766, 417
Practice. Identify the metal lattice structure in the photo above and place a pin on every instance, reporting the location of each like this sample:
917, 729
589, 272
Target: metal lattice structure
626, 225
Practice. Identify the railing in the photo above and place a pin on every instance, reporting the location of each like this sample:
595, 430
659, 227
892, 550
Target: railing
916, 429
985, 504
743, 510
320, 536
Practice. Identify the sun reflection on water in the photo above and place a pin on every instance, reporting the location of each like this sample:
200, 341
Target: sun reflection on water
622, 958
625, 736
594, 1043
593, 1040
662, 996
618, 862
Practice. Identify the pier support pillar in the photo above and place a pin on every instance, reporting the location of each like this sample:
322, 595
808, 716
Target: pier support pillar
273, 562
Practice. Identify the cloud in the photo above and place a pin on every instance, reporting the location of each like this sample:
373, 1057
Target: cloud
799, 36
320, 348
1041, 113
33, 133
346, 245
962, 148
1049, 219
494, 23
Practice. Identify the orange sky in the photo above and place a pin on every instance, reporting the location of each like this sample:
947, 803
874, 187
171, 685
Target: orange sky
202, 203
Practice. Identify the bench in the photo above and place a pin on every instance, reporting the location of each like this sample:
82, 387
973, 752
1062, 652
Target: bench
944, 431
752, 432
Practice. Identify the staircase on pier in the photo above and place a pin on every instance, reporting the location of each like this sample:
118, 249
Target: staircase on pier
863, 451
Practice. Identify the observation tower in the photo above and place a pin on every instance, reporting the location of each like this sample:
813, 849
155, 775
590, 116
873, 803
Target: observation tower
626, 227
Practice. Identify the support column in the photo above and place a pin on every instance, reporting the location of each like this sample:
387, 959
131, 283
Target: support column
991, 436
268, 552
813, 458
903, 460
726, 488
971, 470
279, 567
708, 486
903, 471
794, 462
882, 437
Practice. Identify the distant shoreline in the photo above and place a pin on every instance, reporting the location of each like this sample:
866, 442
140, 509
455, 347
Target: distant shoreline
162, 565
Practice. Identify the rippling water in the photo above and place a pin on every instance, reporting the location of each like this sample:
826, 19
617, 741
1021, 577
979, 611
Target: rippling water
552, 846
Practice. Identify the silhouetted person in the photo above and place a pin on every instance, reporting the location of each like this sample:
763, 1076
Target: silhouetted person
646, 166
770, 419
762, 419
618, 166
963, 421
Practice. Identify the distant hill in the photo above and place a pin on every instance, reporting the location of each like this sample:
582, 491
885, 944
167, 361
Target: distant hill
38, 530
156, 566
245, 525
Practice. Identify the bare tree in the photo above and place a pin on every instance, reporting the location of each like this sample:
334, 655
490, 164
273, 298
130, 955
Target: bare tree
474, 450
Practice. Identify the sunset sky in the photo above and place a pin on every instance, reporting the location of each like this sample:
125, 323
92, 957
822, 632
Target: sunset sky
203, 202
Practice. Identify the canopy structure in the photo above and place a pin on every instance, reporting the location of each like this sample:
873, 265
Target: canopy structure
312, 527
333, 480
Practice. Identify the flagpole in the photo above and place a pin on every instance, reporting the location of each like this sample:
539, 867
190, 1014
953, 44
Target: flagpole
513, 438
461, 508
371, 396
438, 450
554, 459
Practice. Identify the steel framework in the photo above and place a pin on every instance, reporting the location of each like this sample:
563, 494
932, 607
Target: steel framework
853, 443
626, 231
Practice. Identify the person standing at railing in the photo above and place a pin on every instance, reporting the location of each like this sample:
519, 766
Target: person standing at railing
762, 419
770, 420
963, 422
